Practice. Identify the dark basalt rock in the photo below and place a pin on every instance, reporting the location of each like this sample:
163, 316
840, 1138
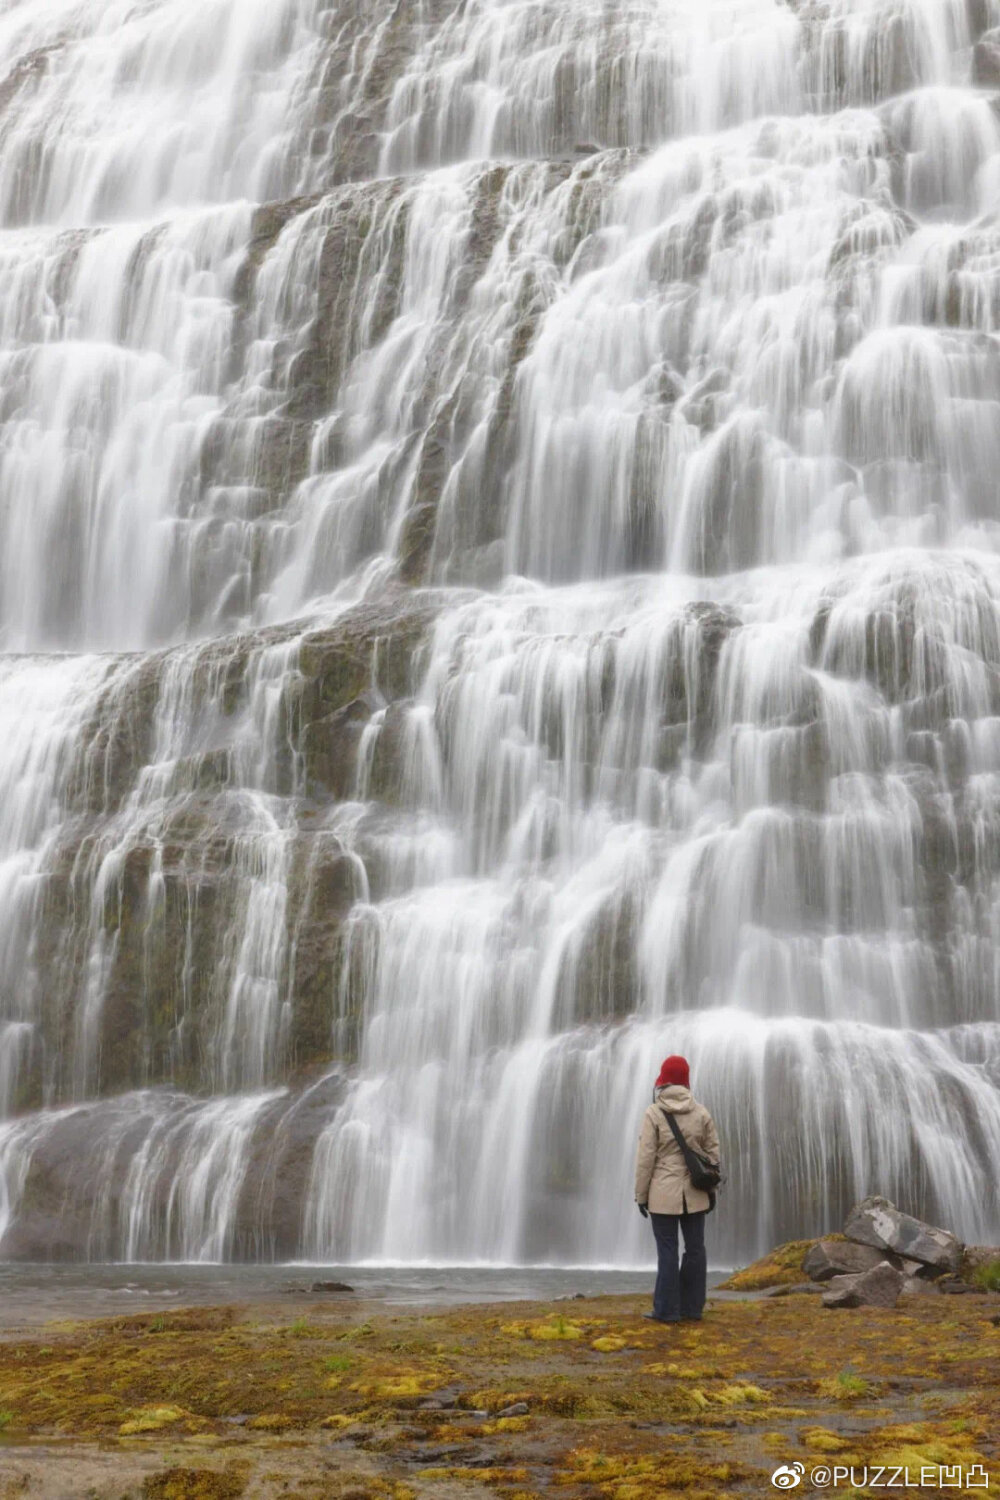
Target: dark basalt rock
145, 890
269, 1214
329, 745
325, 882
58, 1218
78, 1189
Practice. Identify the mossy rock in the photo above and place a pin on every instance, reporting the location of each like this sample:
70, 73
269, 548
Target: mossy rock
779, 1267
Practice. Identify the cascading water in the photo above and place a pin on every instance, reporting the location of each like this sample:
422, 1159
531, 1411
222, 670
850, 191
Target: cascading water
499, 580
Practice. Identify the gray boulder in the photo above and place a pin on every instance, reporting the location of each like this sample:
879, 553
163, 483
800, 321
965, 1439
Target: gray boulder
878, 1222
831, 1258
879, 1287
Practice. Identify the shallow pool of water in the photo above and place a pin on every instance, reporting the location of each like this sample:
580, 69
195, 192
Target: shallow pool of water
33, 1294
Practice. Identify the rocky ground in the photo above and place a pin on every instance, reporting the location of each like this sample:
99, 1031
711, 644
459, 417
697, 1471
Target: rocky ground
334, 1397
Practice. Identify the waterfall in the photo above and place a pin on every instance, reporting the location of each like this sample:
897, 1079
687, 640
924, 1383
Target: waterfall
499, 582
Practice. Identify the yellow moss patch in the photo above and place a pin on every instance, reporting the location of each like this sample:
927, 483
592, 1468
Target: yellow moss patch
555, 1328
915, 1455
640, 1476
494, 1398
740, 1395
270, 1421
779, 1267
482, 1476
611, 1343
822, 1440
195, 1484
506, 1424
916, 1444
153, 1419
844, 1387
456, 1432
338, 1421
349, 1485
397, 1387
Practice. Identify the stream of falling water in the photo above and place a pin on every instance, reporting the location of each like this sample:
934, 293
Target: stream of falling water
628, 371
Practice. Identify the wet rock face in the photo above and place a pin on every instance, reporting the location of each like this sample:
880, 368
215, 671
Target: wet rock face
270, 1211
986, 60
525, 477
160, 1175
213, 889
186, 926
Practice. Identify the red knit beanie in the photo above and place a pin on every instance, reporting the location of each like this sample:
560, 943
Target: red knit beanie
674, 1070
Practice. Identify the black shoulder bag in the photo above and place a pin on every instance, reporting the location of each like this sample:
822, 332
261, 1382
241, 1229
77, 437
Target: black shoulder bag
705, 1175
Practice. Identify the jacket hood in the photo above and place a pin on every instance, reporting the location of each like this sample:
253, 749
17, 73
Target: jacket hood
675, 1099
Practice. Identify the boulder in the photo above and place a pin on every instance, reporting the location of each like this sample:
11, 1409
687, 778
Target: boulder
879, 1223
829, 1258
879, 1287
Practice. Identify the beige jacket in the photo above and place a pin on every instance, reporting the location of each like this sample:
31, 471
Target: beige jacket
662, 1181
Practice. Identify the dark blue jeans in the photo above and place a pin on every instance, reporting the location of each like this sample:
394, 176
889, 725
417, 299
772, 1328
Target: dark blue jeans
679, 1295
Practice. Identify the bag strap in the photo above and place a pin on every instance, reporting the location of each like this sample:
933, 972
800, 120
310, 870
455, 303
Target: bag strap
686, 1150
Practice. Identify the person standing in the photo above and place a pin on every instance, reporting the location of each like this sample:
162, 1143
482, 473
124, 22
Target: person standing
666, 1195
